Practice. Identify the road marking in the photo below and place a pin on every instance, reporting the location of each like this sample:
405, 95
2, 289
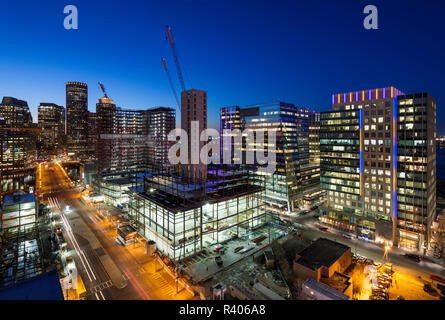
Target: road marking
137, 285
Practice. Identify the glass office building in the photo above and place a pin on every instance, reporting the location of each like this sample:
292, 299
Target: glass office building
285, 188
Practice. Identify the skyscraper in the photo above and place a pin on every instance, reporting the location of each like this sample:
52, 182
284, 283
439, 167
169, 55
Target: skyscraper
160, 122
18, 138
122, 138
293, 176
194, 108
77, 118
51, 119
378, 165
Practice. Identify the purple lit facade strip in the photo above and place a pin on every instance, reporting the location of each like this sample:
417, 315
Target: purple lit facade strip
394, 157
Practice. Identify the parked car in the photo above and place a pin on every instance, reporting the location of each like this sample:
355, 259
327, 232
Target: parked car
218, 261
413, 257
400, 298
429, 289
323, 229
437, 278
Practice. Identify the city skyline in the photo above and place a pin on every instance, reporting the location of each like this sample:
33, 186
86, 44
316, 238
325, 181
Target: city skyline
227, 56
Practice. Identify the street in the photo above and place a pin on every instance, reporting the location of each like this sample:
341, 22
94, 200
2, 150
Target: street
109, 270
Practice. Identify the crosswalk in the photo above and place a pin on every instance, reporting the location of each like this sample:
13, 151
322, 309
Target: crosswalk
164, 287
100, 287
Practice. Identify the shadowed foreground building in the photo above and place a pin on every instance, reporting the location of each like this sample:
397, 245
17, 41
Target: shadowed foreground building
378, 165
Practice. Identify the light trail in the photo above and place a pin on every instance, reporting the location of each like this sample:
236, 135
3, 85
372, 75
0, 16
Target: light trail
137, 285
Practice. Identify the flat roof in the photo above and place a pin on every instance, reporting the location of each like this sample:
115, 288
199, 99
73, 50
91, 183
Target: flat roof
18, 198
323, 252
42, 287
325, 290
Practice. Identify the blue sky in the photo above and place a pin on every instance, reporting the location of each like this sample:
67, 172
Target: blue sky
242, 52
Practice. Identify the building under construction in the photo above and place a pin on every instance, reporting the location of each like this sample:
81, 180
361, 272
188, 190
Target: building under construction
25, 250
183, 216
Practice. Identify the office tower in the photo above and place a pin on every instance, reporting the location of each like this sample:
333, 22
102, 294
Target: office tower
416, 169
18, 138
160, 122
15, 113
376, 155
122, 138
293, 176
92, 135
51, 119
313, 195
194, 108
77, 119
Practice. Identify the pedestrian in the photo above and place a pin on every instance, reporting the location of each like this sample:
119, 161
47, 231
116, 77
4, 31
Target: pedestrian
207, 268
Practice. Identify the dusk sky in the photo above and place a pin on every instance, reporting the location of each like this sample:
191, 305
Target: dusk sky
242, 52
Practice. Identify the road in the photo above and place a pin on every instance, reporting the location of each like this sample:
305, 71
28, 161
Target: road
109, 271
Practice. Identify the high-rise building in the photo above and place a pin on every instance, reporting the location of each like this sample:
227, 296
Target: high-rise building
15, 113
294, 176
51, 119
18, 139
194, 108
122, 138
378, 165
92, 134
77, 118
160, 122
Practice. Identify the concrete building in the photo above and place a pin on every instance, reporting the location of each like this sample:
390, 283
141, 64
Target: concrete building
51, 119
378, 165
77, 119
194, 108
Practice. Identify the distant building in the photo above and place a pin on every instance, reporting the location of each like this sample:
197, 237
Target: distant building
77, 119
92, 135
194, 108
51, 119
121, 138
160, 122
18, 146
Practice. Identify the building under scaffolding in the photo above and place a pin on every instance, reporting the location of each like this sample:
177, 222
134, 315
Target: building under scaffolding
24, 254
184, 218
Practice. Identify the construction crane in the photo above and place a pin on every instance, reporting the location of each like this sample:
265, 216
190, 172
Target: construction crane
171, 82
103, 89
175, 55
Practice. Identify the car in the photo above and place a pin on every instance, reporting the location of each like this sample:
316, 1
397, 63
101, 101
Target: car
218, 261
325, 229
347, 236
400, 298
436, 278
413, 257
429, 289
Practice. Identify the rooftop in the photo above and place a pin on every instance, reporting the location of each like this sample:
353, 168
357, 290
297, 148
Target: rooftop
325, 290
43, 287
18, 198
322, 252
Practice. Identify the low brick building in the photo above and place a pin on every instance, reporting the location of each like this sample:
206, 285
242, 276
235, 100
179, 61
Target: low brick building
322, 259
